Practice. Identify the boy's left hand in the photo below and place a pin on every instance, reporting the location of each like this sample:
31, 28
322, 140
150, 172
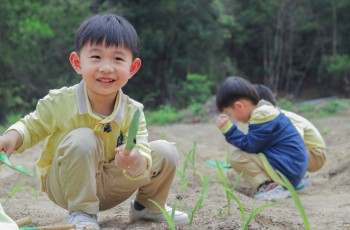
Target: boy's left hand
135, 163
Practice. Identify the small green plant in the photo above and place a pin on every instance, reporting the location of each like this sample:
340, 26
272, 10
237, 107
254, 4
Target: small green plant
190, 156
182, 173
18, 189
189, 159
296, 200
182, 176
199, 204
224, 183
169, 218
246, 221
228, 157
230, 195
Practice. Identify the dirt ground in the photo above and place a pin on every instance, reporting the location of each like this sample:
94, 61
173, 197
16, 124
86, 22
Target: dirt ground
326, 201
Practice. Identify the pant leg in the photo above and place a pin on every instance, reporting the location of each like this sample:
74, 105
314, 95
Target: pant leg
71, 182
164, 160
251, 166
117, 188
317, 158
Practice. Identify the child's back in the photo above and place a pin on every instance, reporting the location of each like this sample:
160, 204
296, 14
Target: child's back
313, 139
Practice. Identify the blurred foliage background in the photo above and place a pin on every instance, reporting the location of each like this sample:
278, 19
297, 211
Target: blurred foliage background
299, 48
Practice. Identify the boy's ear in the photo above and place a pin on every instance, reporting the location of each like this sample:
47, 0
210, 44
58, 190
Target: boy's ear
75, 62
135, 66
239, 105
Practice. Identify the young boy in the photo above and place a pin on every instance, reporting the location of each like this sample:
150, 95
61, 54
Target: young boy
271, 143
315, 145
81, 168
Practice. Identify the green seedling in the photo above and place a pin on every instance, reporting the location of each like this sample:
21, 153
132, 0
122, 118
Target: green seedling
228, 157
190, 156
231, 196
246, 221
182, 175
199, 204
191, 212
18, 189
296, 200
224, 183
189, 159
169, 218
205, 183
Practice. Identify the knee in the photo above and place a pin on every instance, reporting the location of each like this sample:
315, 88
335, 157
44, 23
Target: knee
162, 149
82, 141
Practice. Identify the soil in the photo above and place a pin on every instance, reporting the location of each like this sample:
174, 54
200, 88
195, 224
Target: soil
326, 201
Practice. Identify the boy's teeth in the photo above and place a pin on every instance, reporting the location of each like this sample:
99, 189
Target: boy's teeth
104, 80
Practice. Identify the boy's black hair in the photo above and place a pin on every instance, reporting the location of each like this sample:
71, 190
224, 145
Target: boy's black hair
265, 93
233, 89
110, 30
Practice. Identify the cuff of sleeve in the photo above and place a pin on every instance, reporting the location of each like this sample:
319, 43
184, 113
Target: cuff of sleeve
22, 130
226, 127
146, 173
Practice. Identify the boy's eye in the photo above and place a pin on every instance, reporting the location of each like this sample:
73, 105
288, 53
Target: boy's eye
118, 59
95, 57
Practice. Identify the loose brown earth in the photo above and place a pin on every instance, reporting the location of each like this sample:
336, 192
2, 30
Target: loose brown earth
326, 202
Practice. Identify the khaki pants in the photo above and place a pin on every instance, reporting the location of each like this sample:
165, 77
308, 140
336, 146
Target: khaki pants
254, 171
80, 180
252, 167
317, 158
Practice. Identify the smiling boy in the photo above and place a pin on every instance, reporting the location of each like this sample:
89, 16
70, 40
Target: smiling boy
82, 165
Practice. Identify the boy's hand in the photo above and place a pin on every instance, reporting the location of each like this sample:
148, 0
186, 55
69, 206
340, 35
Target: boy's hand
9, 142
134, 163
222, 120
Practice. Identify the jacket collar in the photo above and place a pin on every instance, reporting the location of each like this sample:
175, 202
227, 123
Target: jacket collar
85, 107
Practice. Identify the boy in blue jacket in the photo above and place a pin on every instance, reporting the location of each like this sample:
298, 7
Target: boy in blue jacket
271, 143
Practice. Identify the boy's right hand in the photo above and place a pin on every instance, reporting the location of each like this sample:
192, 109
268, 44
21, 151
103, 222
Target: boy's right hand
9, 142
222, 120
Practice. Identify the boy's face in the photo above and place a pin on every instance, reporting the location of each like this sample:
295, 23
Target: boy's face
105, 70
238, 111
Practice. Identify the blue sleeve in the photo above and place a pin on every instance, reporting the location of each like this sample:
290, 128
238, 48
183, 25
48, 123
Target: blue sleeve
254, 141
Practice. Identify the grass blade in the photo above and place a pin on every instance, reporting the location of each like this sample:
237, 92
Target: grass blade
169, 219
297, 201
258, 210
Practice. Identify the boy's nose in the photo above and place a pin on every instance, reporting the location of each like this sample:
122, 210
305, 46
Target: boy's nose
106, 68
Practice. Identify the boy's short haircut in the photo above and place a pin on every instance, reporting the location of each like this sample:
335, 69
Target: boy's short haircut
265, 93
233, 89
109, 30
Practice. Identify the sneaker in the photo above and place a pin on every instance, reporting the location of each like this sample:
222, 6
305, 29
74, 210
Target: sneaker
180, 218
83, 220
305, 182
271, 192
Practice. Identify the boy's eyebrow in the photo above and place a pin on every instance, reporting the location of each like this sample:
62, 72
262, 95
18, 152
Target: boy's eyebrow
119, 52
